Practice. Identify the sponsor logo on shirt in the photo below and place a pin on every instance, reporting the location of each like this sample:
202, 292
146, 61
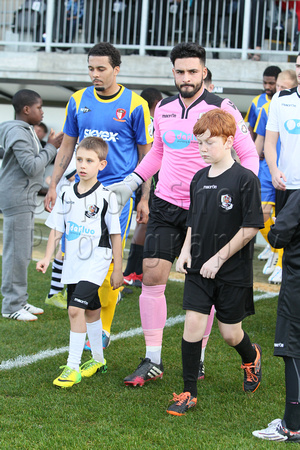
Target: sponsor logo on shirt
105, 135
91, 211
74, 231
85, 110
169, 116
292, 126
177, 139
226, 202
210, 186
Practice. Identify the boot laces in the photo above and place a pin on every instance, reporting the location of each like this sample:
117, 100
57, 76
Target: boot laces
181, 398
249, 371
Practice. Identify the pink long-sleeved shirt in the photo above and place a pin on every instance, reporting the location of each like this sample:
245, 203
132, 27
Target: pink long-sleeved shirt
175, 151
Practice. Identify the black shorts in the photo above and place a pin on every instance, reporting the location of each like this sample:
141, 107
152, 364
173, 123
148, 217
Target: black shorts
233, 303
166, 230
83, 295
281, 198
287, 337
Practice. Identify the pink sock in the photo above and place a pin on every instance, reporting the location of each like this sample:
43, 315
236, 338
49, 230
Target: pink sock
208, 328
153, 311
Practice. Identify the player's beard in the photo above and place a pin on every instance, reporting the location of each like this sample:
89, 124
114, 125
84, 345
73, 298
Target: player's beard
100, 88
270, 93
189, 94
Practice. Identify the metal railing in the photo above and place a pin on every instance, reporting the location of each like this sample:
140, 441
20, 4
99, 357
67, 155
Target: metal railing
152, 26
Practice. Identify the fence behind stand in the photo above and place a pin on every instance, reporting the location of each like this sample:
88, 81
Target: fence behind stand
235, 27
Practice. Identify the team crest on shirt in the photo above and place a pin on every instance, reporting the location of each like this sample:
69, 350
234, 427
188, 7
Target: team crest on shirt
226, 202
91, 211
120, 113
242, 126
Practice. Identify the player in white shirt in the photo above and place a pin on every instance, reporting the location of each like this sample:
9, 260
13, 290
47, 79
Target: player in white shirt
284, 122
88, 214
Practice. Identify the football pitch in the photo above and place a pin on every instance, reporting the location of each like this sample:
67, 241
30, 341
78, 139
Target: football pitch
101, 412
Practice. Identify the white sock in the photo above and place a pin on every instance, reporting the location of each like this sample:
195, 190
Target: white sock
77, 341
94, 331
154, 353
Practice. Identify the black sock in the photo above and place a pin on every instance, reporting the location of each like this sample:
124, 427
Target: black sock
191, 352
292, 402
292, 416
135, 260
245, 349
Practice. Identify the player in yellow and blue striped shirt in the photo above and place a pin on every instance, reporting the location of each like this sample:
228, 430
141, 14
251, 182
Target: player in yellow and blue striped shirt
122, 119
269, 83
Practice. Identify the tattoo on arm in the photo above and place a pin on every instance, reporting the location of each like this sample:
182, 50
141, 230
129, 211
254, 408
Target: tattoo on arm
64, 163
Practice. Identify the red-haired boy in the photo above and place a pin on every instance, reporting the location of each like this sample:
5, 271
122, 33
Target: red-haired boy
224, 216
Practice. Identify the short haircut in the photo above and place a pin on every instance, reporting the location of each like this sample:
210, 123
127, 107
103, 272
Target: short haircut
43, 126
272, 71
208, 78
289, 74
152, 96
188, 50
106, 49
97, 144
218, 122
24, 97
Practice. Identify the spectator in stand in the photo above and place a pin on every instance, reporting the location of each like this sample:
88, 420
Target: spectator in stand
256, 27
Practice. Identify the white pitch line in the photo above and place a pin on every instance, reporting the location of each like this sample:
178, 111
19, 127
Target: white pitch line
22, 361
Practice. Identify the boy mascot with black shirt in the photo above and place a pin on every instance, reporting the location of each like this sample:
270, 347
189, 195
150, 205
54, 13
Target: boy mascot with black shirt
224, 216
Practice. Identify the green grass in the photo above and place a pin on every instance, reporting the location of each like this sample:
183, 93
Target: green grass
101, 412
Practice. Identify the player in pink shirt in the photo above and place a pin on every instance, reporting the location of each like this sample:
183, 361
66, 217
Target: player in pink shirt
176, 155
